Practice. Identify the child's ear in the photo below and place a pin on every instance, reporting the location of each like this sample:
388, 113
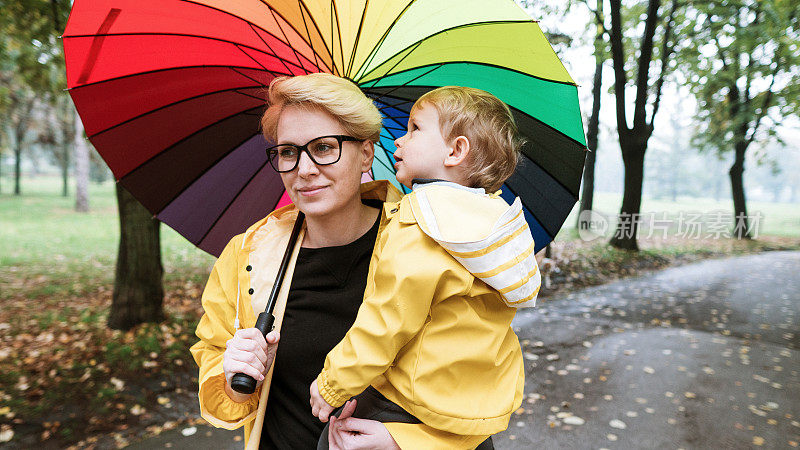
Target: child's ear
458, 152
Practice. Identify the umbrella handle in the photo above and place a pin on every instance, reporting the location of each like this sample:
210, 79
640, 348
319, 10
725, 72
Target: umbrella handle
244, 383
241, 382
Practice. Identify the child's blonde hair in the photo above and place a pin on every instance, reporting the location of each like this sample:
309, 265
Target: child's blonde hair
335, 95
487, 123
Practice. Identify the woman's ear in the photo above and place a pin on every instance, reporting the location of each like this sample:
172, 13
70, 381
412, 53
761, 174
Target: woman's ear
367, 154
458, 152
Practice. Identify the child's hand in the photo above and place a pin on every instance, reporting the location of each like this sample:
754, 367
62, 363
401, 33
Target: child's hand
319, 407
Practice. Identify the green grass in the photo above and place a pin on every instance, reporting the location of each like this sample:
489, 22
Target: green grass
46, 248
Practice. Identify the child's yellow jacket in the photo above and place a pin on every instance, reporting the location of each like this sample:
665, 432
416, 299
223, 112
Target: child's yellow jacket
430, 336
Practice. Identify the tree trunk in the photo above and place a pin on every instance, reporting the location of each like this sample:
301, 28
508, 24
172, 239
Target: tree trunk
741, 228
65, 169
81, 168
138, 292
587, 193
628, 221
17, 165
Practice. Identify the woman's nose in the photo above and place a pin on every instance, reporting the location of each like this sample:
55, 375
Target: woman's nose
305, 166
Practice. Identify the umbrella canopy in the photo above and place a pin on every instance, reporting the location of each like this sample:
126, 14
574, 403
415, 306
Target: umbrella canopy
171, 92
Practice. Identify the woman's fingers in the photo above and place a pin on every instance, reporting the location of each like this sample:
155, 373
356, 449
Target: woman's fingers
250, 358
356, 433
273, 337
334, 437
348, 409
355, 425
247, 352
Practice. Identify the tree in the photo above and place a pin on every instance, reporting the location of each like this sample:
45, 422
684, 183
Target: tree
138, 291
743, 67
81, 165
633, 139
593, 128
31, 66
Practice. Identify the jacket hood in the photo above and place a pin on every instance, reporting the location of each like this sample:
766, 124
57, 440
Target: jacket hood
482, 232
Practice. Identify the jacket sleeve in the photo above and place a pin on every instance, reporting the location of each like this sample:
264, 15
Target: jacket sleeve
409, 436
411, 270
214, 330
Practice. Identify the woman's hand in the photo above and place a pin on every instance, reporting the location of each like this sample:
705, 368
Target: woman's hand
346, 433
319, 406
249, 353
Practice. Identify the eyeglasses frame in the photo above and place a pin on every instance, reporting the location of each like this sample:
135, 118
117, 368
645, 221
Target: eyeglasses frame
340, 138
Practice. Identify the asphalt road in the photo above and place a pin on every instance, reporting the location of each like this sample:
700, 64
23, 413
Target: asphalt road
701, 356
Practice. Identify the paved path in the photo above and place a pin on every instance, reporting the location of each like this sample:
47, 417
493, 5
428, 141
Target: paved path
701, 356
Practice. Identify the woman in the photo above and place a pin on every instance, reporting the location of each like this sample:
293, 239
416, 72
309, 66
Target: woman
326, 129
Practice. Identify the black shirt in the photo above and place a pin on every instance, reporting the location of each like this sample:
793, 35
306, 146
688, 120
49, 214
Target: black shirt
327, 289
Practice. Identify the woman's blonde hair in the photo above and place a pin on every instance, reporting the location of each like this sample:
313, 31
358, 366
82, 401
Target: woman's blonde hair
335, 95
488, 125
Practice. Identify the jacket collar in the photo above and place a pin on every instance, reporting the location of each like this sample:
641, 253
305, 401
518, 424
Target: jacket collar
381, 190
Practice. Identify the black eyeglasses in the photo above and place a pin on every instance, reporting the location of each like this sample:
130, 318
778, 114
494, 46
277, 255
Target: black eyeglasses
323, 151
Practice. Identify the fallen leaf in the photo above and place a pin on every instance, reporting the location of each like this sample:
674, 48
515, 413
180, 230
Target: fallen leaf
6, 434
616, 423
574, 420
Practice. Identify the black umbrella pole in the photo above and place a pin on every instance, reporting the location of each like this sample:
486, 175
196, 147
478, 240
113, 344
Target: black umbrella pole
244, 383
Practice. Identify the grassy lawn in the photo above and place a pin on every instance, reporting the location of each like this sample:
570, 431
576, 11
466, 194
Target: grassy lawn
46, 248
66, 378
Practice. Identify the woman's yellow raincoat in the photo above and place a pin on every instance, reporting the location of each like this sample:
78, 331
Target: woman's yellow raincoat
237, 292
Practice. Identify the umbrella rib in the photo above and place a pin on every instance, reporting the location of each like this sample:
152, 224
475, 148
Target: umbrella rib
396, 64
308, 34
248, 95
335, 18
395, 106
319, 32
381, 162
252, 24
255, 60
394, 119
296, 55
409, 81
248, 77
358, 37
288, 70
531, 211
205, 94
222, 213
382, 39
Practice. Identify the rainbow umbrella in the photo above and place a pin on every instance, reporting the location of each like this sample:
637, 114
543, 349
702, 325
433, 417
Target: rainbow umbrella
170, 93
